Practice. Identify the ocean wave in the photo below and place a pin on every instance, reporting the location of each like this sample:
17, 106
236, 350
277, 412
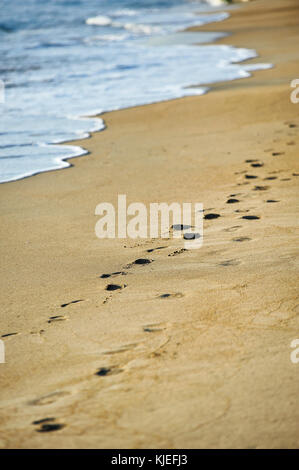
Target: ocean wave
132, 27
99, 21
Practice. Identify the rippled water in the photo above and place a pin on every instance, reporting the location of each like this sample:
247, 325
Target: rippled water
65, 59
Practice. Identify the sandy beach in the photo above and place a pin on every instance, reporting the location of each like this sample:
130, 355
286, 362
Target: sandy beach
207, 365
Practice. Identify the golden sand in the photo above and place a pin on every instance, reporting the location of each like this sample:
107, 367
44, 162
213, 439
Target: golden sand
209, 365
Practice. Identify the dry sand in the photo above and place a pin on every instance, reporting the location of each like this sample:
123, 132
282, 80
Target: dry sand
208, 366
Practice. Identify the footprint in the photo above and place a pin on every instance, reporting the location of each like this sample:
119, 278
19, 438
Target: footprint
230, 262
121, 349
9, 334
257, 165
177, 252
261, 188
112, 287
276, 154
211, 216
72, 302
295, 174
43, 420
141, 261
271, 200
104, 371
149, 329
250, 177
250, 217
48, 399
105, 276
166, 296
232, 229
57, 318
252, 161
154, 249
232, 201
270, 178
50, 427
241, 239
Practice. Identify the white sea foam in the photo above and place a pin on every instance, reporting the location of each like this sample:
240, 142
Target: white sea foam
99, 21
123, 64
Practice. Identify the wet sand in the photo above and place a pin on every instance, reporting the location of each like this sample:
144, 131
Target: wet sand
194, 350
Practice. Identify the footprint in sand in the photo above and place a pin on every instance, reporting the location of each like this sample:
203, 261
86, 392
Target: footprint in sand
261, 188
57, 318
117, 273
272, 200
50, 427
251, 177
6, 335
257, 165
153, 329
232, 201
211, 216
241, 239
178, 252
232, 229
270, 178
104, 371
121, 349
250, 217
150, 250
71, 302
276, 154
167, 296
113, 287
48, 399
230, 262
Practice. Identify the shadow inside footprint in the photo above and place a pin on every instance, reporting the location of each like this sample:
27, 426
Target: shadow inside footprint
104, 371
166, 296
271, 200
8, 334
261, 188
112, 287
241, 239
270, 178
105, 276
142, 261
72, 302
257, 165
250, 217
230, 262
50, 427
211, 216
43, 420
250, 177
232, 201
154, 249
56, 318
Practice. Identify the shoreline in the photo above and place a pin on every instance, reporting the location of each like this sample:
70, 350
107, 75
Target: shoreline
209, 365
80, 151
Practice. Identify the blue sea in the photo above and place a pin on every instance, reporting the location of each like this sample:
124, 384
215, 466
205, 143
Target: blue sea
65, 60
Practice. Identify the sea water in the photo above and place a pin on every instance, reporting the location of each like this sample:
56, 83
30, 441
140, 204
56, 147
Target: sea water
65, 60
